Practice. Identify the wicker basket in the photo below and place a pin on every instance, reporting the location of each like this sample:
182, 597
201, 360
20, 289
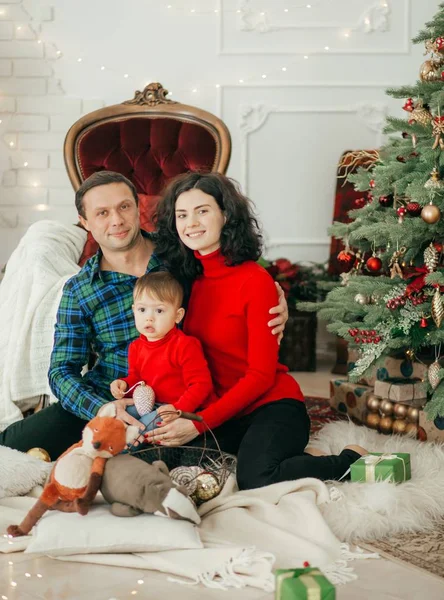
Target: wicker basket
202, 470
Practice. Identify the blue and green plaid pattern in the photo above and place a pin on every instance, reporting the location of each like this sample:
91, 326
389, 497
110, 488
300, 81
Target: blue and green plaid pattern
94, 316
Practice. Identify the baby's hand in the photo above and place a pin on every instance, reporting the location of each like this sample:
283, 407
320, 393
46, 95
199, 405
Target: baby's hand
118, 388
168, 413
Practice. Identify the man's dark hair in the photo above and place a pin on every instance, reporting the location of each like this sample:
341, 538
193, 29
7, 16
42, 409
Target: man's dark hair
240, 239
102, 178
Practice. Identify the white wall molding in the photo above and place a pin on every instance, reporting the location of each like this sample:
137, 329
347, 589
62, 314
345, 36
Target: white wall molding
253, 117
376, 18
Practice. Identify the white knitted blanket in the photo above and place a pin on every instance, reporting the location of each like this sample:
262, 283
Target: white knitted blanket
30, 292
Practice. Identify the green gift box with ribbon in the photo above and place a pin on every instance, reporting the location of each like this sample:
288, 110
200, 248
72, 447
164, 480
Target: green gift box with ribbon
303, 584
381, 467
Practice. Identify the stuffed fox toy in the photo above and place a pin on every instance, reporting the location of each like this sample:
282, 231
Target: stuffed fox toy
76, 477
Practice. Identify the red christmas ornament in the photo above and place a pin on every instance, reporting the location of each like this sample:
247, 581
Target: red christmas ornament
374, 264
442, 75
401, 212
409, 105
414, 209
305, 564
438, 246
386, 200
423, 323
346, 259
372, 183
439, 42
360, 202
400, 159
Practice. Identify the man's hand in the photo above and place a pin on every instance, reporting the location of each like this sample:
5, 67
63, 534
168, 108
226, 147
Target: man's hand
123, 415
167, 413
281, 310
118, 388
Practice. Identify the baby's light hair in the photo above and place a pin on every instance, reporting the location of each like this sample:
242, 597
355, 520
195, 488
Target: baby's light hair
162, 285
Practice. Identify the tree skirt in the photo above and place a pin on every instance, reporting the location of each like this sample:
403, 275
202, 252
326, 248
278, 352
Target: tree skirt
373, 511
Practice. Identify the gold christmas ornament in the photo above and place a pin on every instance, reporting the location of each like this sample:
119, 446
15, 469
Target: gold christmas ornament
434, 46
420, 115
430, 214
399, 426
395, 269
431, 258
373, 403
437, 308
208, 487
410, 354
411, 429
362, 299
435, 182
372, 420
430, 70
144, 397
385, 425
186, 477
413, 414
432, 374
39, 453
437, 131
386, 407
400, 411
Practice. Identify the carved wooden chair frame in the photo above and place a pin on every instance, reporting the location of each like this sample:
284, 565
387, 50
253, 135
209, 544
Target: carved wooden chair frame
151, 103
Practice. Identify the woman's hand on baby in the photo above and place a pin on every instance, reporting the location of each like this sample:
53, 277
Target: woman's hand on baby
281, 312
177, 433
167, 413
118, 388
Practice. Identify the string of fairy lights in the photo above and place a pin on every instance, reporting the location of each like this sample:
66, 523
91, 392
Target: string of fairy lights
290, 9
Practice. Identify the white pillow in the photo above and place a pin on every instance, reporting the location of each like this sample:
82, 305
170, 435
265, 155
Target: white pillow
59, 534
20, 472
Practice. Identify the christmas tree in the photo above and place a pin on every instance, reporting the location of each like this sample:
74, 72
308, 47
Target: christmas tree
391, 298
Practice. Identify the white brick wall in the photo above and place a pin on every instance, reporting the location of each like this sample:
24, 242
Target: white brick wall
35, 115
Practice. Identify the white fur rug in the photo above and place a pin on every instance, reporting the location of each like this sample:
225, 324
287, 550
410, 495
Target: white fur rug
358, 511
369, 511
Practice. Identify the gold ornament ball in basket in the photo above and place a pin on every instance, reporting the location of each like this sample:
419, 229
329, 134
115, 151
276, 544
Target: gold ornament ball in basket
201, 470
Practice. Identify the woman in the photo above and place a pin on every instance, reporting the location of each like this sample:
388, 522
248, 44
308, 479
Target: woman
208, 233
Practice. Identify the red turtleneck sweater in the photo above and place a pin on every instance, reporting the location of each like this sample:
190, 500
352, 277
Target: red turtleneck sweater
228, 313
174, 367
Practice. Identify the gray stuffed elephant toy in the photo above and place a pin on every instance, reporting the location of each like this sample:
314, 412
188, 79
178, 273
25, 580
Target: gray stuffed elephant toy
133, 486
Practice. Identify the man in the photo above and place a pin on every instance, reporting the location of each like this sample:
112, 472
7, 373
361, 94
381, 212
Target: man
95, 317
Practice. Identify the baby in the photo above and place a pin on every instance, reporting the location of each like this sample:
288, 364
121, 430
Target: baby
166, 359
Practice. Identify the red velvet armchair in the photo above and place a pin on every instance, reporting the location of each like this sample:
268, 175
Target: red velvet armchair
149, 139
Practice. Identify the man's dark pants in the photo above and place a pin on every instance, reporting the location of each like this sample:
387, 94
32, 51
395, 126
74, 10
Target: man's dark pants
54, 429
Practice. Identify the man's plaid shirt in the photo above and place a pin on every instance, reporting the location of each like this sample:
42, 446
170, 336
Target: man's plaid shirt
94, 315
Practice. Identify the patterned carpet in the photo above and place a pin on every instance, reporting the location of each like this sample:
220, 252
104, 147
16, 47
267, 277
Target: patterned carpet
321, 413
422, 550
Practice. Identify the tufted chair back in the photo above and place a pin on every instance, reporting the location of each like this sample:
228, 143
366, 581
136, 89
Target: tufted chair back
149, 139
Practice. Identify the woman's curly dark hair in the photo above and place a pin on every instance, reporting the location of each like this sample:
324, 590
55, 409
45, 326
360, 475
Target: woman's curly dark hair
240, 239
